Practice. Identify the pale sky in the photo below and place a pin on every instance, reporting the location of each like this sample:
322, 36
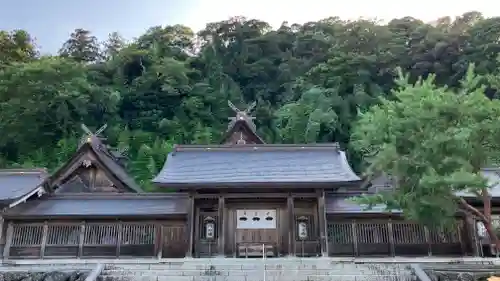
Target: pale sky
51, 21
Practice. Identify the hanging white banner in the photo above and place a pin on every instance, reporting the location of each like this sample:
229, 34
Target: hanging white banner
256, 219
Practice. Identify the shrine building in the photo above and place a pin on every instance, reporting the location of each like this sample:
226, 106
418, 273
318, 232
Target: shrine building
240, 198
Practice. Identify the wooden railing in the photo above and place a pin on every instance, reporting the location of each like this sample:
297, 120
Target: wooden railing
392, 238
89, 239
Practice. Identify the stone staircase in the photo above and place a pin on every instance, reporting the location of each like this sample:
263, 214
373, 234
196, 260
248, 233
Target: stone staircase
281, 269
47, 267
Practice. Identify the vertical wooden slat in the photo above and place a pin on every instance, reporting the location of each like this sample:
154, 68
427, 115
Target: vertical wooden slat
291, 225
44, 239
190, 225
81, 239
355, 237
391, 237
323, 232
8, 240
221, 227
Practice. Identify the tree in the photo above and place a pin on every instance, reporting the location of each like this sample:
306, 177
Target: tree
433, 142
16, 46
113, 45
81, 46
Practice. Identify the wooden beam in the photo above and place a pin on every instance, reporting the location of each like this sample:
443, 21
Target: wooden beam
323, 231
190, 225
255, 195
221, 227
291, 225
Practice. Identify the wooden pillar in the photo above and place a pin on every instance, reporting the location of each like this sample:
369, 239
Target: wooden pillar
2, 237
119, 238
190, 225
323, 232
291, 225
44, 239
159, 240
221, 227
82, 239
8, 240
428, 239
391, 238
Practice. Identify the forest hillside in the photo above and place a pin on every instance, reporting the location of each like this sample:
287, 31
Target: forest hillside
171, 86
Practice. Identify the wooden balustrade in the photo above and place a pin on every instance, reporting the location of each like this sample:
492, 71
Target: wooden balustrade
360, 237
91, 240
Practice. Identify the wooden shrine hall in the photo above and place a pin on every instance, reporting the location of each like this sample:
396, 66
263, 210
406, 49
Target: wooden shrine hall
240, 198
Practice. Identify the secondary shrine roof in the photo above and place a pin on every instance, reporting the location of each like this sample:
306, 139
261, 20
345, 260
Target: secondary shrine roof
250, 164
100, 205
15, 183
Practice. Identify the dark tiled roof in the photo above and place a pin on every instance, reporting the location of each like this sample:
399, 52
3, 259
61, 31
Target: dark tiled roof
115, 205
335, 204
15, 183
317, 163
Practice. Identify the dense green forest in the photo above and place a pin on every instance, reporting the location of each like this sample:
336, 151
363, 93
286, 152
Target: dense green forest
171, 85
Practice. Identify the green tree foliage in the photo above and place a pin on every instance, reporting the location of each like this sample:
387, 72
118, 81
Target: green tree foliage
433, 141
171, 85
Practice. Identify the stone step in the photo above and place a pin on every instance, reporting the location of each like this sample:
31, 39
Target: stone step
249, 266
46, 268
256, 278
240, 272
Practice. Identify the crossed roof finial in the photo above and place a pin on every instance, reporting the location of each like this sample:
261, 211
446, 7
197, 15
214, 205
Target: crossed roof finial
89, 134
243, 115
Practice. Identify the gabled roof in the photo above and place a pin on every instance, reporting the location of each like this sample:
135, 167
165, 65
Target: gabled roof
15, 183
242, 123
101, 205
244, 126
255, 164
105, 161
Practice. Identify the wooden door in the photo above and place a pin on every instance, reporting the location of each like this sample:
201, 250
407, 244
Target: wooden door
175, 241
256, 233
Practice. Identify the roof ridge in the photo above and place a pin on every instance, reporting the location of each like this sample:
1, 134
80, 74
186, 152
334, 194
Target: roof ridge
116, 196
16, 171
254, 147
